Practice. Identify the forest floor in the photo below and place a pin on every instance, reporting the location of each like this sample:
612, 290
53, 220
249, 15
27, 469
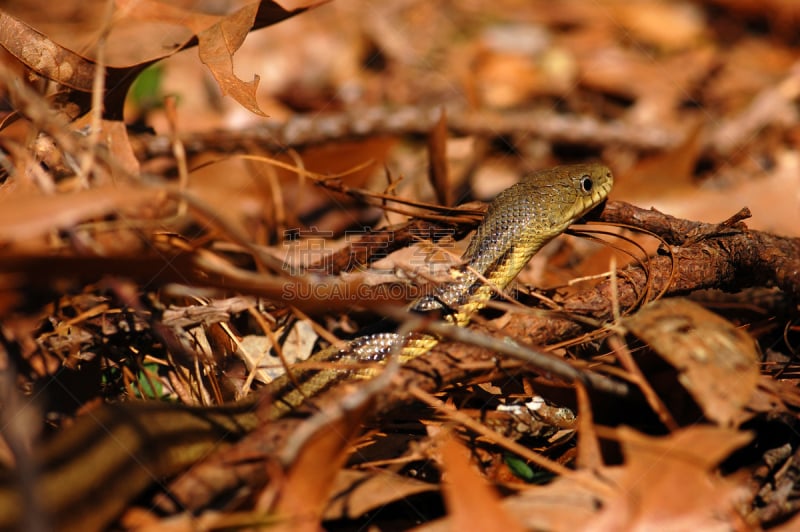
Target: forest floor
178, 227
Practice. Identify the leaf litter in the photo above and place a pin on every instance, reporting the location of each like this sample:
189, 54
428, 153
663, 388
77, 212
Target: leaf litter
118, 280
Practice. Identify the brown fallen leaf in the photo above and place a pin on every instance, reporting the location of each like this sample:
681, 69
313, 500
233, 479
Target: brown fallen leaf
310, 477
26, 216
563, 505
670, 483
158, 30
219, 37
665, 483
589, 450
471, 503
718, 363
216, 48
437, 162
357, 492
666, 25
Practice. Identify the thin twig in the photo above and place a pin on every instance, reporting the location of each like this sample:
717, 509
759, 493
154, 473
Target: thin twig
539, 359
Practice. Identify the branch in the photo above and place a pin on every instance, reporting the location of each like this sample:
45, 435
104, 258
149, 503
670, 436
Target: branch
304, 130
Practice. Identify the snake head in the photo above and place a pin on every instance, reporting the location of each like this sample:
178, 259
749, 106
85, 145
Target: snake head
526, 216
560, 196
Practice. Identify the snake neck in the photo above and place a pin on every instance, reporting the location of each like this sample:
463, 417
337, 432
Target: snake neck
474, 283
455, 300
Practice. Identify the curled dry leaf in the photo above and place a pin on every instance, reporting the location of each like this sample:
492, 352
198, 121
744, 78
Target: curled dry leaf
216, 46
718, 363
142, 33
36, 51
437, 164
218, 37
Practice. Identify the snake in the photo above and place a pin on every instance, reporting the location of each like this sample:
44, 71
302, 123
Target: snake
87, 474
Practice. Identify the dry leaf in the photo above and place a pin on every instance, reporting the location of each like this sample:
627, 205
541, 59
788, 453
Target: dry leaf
310, 478
718, 362
217, 46
36, 51
27, 216
668, 25
471, 503
666, 483
357, 492
562, 505
437, 162
589, 452
670, 483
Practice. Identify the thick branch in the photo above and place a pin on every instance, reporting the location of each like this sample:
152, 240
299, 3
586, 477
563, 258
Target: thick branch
302, 130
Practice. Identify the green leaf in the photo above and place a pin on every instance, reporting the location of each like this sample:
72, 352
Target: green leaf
149, 385
521, 469
146, 90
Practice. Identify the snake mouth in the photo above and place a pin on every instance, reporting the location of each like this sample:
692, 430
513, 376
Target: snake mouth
593, 212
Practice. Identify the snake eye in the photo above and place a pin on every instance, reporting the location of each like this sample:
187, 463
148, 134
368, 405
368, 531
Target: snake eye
586, 184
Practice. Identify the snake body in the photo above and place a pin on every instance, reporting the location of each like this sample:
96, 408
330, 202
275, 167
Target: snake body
519, 221
90, 471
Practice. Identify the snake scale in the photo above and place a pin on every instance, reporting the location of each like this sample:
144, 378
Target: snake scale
90, 471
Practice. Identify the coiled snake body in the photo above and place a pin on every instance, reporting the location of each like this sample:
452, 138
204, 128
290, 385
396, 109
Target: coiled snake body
90, 471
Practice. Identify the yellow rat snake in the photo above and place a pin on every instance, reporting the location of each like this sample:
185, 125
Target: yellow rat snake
89, 472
